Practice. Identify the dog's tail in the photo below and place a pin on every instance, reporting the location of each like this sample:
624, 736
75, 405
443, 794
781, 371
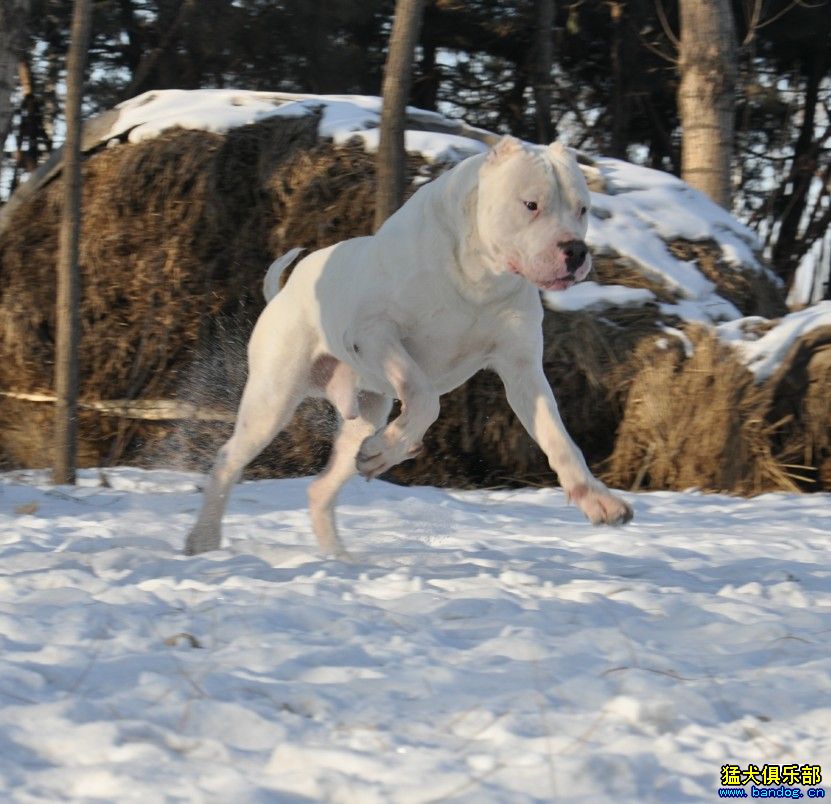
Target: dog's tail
271, 283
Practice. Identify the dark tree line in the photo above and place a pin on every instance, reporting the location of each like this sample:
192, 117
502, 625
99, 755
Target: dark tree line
606, 75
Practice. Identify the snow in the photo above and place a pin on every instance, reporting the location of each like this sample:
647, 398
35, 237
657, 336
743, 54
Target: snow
219, 110
762, 353
485, 646
590, 295
343, 117
641, 210
675, 210
686, 343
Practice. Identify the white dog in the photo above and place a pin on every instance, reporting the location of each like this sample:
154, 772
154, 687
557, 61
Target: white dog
449, 285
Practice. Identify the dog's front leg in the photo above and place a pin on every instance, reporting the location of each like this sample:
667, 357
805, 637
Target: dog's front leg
531, 398
401, 438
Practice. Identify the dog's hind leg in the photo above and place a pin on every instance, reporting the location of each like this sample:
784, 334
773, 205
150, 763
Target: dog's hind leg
267, 405
373, 410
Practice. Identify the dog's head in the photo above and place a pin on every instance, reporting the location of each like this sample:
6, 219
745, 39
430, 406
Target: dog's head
532, 213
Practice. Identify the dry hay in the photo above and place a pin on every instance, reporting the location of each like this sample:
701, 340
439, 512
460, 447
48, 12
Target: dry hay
700, 421
178, 233
612, 269
752, 292
166, 225
800, 407
478, 440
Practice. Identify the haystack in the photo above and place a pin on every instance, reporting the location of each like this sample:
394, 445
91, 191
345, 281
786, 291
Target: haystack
800, 407
178, 232
697, 421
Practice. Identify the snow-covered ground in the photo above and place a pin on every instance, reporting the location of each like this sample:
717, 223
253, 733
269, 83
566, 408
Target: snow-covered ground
483, 647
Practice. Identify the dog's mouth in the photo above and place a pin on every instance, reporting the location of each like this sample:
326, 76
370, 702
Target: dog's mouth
556, 283
559, 283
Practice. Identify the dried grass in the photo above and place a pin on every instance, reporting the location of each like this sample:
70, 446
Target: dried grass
177, 234
611, 269
752, 292
800, 402
478, 440
697, 422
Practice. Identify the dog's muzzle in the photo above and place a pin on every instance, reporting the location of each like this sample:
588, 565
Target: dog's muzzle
575, 253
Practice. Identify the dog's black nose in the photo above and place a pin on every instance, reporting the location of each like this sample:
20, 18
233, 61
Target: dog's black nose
575, 251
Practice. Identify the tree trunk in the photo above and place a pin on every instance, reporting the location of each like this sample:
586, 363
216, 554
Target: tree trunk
67, 319
13, 17
31, 133
707, 95
619, 111
513, 102
396, 91
425, 90
544, 57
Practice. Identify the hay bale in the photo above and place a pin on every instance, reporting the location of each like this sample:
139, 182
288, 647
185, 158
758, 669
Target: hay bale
177, 234
752, 292
477, 440
612, 269
697, 421
800, 409
166, 225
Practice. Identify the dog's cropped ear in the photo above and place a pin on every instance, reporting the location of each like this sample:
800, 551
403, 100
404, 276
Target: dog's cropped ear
558, 151
503, 149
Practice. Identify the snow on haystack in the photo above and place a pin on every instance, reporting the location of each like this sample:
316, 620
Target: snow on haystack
635, 210
640, 210
342, 118
762, 347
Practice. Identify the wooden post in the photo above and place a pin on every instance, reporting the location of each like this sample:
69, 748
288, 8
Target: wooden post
67, 316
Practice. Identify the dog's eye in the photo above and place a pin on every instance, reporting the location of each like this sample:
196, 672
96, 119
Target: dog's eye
531, 206
583, 211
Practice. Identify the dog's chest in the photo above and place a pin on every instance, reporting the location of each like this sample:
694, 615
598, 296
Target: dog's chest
449, 346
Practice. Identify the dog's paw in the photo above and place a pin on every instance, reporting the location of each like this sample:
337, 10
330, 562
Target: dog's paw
600, 506
201, 540
382, 451
345, 556
374, 456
